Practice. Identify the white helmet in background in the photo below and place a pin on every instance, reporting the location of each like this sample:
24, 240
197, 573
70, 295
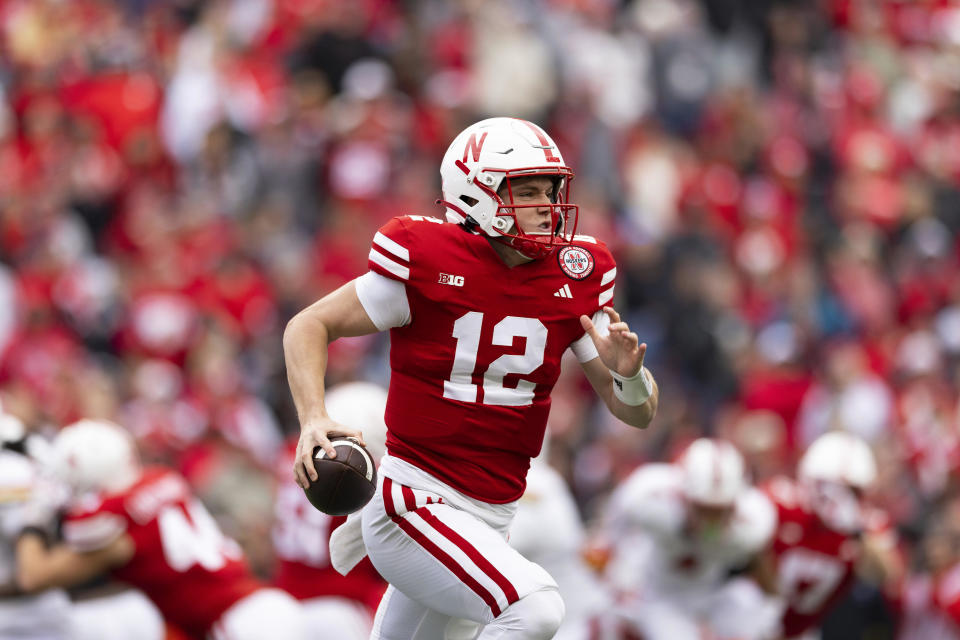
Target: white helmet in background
840, 457
714, 473
490, 153
835, 469
361, 405
96, 455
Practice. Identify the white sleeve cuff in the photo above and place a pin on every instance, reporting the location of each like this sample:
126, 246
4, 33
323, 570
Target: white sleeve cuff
584, 348
384, 300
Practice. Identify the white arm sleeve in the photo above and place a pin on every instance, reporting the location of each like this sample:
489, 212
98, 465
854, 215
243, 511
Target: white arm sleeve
584, 348
384, 300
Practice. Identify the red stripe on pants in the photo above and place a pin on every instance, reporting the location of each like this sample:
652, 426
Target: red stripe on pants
449, 563
478, 559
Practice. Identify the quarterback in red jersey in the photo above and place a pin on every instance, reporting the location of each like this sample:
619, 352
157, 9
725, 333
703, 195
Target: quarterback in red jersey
824, 531
145, 527
480, 309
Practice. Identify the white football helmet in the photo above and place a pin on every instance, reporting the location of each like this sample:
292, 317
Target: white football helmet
713, 473
361, 405
486, 156
834, 470
96, 455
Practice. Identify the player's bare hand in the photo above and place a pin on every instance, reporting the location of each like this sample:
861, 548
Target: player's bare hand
317, 433
620, 350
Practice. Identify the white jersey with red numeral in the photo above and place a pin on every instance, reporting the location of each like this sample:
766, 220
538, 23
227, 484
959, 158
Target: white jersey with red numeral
182, 562
815, 564
649, 520
473, 367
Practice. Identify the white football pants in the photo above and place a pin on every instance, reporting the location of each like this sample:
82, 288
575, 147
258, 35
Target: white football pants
445, 556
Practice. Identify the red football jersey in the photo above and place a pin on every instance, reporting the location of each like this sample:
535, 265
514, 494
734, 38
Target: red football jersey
473, 369
814, 563
301, 541
191, 571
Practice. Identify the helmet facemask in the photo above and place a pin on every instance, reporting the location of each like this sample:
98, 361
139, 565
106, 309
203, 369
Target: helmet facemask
563, 216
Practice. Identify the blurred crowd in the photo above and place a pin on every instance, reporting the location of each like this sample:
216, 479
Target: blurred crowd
778, 180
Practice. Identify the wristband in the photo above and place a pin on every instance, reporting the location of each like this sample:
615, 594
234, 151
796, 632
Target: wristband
633, 391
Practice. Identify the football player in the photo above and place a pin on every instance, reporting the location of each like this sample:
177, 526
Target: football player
548, 530
677, 533
26, 503
341, 605
480, 310
825, 531
144, 527
31, 500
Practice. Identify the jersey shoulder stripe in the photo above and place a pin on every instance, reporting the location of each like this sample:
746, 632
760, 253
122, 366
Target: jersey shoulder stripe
379, 262
391, 247
390, 251
604, 277
393, 252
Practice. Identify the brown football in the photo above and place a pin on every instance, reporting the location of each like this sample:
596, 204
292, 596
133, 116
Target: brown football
345, 483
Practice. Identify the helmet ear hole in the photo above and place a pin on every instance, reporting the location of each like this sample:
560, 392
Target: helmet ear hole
470, 202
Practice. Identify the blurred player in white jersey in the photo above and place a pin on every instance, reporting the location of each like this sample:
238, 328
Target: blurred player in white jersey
549, 531
341, 605
481, 309
677, 531
25, 505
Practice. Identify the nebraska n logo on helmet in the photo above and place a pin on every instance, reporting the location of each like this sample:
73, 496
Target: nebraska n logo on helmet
485, 157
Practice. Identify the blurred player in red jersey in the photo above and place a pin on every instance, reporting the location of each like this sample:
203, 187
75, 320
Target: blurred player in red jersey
341, 605
145, 527
825, 531
480, 309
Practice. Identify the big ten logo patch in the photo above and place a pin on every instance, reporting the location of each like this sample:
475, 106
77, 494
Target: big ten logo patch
452, 280
576, 262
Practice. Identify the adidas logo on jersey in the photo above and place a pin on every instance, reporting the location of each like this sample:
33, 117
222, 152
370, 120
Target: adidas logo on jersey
564, 292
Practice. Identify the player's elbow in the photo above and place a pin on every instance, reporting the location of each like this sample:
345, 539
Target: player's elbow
307, 327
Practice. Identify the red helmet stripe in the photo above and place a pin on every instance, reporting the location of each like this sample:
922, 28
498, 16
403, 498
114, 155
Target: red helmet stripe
544, 142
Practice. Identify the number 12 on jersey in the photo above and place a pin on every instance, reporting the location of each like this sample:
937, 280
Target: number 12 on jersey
467, 330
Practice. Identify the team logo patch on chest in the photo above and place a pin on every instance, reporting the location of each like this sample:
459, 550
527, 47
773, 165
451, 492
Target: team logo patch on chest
576, 262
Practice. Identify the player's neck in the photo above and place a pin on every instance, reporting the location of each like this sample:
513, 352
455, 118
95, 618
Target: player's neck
508, 254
